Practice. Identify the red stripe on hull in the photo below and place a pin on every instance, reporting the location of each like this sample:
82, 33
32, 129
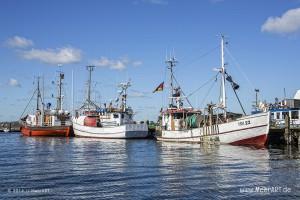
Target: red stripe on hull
258, 140
46, 131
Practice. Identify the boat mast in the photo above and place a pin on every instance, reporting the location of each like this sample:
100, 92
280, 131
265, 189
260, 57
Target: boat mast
171, 64
90, 68
73, 92
38, 94
39, 98
223, 72
256, 98
60, 97
124, 87
89, 104
43, 96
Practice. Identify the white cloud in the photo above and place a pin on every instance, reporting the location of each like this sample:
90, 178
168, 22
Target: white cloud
137, 63
138, 94
289, 22
118, 64
13, 82
102, 62
19, 42
63, 55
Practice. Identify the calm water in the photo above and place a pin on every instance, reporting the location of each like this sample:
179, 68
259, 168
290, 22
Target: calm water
77, 168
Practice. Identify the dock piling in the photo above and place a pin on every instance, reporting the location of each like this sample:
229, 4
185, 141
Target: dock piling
287, 130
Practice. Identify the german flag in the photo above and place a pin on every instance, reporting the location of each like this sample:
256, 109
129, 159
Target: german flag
160, 87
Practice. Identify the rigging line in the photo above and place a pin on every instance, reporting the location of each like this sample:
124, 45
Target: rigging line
207, 93
164, 79
239, 68
239, 101
203, 55
183, 93
28, 103
211, 79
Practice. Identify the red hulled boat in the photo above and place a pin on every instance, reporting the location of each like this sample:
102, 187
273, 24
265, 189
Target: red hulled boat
48, 122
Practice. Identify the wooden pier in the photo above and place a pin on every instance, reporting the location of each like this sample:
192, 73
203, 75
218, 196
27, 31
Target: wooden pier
288, 133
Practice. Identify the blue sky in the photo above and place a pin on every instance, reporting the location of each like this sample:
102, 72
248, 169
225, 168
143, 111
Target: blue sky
128, 39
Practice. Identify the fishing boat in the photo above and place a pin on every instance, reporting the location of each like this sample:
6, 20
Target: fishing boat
113, 122
47, 122
213, 124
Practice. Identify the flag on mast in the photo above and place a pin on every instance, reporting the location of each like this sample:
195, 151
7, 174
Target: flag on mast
160, 87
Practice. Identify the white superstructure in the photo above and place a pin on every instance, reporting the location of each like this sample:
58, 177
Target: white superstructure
109, 121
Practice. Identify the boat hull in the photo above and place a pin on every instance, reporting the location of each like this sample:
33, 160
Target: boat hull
58, 131
249, 130
128, 131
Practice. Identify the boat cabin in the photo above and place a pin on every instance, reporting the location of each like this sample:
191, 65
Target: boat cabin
115, 117
107, 117
278, 116
180, 119
49, 118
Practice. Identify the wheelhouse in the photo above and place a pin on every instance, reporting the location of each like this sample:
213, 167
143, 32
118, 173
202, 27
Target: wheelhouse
278, 116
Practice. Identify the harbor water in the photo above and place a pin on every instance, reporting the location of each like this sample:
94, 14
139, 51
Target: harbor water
77, 168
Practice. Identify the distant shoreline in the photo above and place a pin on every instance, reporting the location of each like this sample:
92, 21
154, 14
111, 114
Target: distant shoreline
13, 126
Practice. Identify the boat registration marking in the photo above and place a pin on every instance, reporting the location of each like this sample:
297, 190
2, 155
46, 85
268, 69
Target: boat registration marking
242, 123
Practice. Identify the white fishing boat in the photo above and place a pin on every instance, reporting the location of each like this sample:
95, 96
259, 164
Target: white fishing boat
109, 121
214, 124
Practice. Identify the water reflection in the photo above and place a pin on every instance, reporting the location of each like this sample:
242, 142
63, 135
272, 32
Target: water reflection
227, 168
137, 169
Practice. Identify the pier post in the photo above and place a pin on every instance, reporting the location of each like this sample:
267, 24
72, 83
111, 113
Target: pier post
287, 130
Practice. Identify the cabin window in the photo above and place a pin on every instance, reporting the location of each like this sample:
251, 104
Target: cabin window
122, 115
272, 116
294, 114
116, 115
284, 114
178, 115
190, 114
278, 115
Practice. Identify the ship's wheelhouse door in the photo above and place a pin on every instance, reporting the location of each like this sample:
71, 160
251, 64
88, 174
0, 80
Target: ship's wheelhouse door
283, 114
278, 115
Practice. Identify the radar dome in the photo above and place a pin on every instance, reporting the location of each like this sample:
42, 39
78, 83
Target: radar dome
297, 95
